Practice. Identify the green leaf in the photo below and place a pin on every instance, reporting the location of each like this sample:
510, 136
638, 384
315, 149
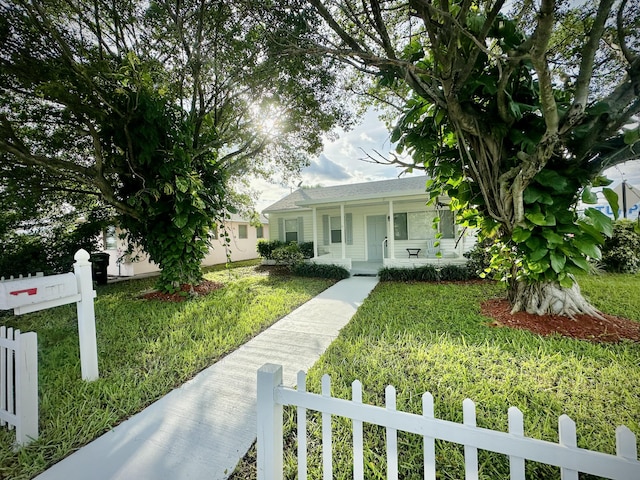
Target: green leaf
632, 136
541, 219
557, 261
612, 198
589, 197
520, 234
600, 221
551, 179
587, 247
180, 221
565, 281
552, 237
580, 262
592, 231
538, 255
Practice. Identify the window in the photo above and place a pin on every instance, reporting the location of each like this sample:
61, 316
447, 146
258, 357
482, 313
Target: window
400, 226
336, 230
242, 231
110, 238
291, 230
447, 225
260, 232
420, 225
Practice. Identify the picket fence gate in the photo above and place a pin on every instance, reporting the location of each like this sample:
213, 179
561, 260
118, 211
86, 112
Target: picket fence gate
19, 383
272, 396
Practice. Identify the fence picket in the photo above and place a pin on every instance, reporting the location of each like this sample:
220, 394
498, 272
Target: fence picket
626, 446
327, 445
568, 438
516, 427
4, 351
11, 368
470, 453
302, 430
392, 436
429, 442
358, 449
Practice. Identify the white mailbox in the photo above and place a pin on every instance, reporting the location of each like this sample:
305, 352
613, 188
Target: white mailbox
49, 291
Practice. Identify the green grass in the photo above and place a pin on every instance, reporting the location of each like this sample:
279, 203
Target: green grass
431, 337
145, 349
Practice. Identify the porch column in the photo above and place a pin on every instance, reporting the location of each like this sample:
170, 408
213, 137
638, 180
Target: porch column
343, 239
391, 233
315, 233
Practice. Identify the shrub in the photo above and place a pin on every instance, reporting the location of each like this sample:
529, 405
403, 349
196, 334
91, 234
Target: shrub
289, 254
427, 273
455, 273
479, 258
320, 271
265, 248
307, 249
621, 252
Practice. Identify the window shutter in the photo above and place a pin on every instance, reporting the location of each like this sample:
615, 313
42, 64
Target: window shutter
281, 229
326, 230
300, 229
348, 226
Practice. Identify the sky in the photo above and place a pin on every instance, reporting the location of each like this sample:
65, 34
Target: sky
341, 162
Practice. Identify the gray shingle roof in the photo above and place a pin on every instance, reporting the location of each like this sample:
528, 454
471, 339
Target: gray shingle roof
305, 197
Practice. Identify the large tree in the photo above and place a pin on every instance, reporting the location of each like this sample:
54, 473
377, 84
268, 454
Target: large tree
513, 109
155, 108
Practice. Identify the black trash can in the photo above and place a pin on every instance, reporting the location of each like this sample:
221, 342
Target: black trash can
99, 266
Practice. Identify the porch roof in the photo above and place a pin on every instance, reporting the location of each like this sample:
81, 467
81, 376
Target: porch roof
309, 197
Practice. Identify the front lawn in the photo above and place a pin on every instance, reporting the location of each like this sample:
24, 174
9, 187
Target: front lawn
431, 337
145, 349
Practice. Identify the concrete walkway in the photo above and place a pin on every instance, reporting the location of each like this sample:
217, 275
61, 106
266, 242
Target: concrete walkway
202, 429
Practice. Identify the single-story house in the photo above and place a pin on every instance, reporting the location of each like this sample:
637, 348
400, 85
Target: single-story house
366, 226
243, 246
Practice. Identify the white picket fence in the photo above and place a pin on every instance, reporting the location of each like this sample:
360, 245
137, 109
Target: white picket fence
272, 395
19, 383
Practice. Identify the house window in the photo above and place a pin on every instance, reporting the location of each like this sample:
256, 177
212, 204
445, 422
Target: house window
447, 225
260, 232
336, 230
400, 226
110, 238
291, 230
242, 232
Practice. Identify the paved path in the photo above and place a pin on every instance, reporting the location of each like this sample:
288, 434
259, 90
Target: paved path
202, 429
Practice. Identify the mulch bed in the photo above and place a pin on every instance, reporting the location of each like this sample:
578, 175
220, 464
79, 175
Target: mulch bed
185, 292
611, 329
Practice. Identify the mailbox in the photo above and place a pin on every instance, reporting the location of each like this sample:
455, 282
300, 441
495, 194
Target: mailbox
22, 292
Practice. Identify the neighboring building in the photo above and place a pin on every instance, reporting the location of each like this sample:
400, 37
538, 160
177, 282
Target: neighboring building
370, 224
244, 239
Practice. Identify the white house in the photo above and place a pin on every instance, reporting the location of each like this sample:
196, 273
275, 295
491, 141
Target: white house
366, 226
244, 239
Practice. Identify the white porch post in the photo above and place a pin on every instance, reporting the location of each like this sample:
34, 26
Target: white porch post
315, 233
343, 240
390, 233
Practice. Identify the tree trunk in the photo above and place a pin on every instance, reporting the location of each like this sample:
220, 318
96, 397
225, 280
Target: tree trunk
549, 298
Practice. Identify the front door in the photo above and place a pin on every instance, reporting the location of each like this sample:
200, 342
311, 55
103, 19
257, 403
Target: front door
376, 233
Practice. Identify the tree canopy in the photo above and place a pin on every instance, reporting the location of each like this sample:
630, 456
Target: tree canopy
155, 107
513, 110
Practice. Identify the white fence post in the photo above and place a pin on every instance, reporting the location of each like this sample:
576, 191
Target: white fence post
27, 388
269, 440
86, 317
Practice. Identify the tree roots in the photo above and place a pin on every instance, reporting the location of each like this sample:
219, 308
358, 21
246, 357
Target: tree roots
549, 298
